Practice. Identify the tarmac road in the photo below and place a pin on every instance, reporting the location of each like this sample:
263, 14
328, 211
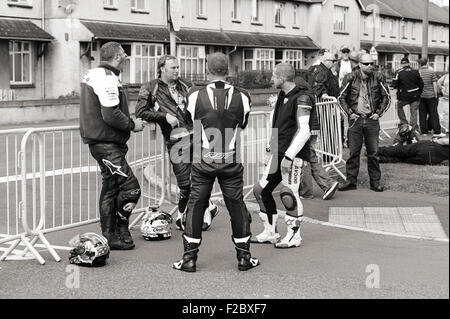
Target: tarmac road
331, 263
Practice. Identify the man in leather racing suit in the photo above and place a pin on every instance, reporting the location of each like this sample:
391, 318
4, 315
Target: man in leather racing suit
105, 125
219, 112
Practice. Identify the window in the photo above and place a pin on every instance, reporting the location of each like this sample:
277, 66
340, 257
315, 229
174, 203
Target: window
295, 13
393, 28
365, 27
110, 4
138, 6
403, 25
279, 7
235, 10
443, 33
143, 62
259, 59
20, 65
413, 30
25, 3
340, 19
256, 7
293, 57
439, 63
192, 62
383, 27
201, 12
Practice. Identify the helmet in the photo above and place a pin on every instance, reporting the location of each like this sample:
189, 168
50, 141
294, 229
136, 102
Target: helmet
156, 224
405, 132
91, 250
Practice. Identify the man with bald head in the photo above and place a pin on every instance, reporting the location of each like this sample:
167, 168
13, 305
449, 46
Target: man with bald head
219, 112
289, 154
365, 98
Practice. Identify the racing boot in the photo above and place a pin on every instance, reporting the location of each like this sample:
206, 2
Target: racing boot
292, 238
211, 212
123, 229
270, 233
245, 260
108, 225
191, 246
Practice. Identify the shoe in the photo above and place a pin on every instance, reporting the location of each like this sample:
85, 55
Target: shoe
330, 191
123, 230
188, 262
108, 225
270, 234
439, 135
292, 238
211, 212
347, 186
245, 259
180, 222
377, 188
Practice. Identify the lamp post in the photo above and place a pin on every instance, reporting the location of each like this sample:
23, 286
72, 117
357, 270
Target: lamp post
425, 30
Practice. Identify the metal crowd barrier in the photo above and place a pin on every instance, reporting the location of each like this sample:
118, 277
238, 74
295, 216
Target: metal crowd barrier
60, 181
51, 182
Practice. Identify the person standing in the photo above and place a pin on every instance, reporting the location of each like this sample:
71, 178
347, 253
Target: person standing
409, 87
443, 102
105, 125
365, 98
429, 100
219, 112
163, 101
344, 65
325, 84
290, 154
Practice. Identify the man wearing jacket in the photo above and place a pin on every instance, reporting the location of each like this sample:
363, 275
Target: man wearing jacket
365, 98
325, 82
163, 101
409, 87
105, 125
290, 154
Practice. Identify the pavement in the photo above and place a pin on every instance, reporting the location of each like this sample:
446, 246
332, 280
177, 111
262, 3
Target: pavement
331, 262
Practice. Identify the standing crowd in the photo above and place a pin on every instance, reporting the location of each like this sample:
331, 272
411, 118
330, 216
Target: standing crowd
201, 127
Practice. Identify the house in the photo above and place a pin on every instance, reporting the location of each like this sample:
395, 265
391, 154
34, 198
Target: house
395, 28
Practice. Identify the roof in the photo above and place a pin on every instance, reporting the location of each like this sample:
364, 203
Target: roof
404, 48
146, 33
22, 30
411, 9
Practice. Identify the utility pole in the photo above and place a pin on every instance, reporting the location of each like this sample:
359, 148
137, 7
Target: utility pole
174, 17
425, 30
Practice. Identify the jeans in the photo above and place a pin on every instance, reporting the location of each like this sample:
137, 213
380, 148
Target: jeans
317, 171
428, 107
443, 114
414, 107
363, 130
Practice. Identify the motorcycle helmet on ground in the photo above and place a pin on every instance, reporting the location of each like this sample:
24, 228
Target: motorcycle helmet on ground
91, 250
156, 224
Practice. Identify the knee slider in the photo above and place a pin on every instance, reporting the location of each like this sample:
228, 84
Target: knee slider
128, 197
288, 199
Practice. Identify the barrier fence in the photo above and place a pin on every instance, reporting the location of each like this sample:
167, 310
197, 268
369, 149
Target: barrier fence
50, 182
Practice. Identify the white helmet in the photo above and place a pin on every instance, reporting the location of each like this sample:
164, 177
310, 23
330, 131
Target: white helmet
156, 224
91, 250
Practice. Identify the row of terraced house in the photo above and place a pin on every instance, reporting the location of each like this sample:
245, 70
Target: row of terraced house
46, 45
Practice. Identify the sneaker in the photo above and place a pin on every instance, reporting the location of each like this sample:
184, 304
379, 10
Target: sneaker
439, 135
330, 191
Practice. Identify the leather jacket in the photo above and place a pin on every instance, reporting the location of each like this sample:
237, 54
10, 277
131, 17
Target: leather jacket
379, 97
155, 102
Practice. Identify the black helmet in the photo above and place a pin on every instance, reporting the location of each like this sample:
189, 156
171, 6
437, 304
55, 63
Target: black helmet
91, 250
405, 132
